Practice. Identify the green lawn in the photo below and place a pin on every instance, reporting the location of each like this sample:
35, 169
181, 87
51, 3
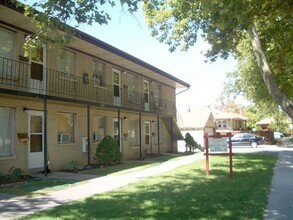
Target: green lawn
37, 186
183, 193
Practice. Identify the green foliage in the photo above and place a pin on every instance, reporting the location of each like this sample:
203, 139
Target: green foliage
73, 166
225, 25
15, 174
190, 142
108, 151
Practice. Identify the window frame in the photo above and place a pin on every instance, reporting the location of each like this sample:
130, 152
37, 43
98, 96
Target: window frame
133, 127
9, 60
63, 62
99, 77
133, 88
12, 135
97, 127
73, 139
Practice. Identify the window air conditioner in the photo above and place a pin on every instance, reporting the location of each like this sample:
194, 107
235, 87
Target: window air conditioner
97, 137
63, 138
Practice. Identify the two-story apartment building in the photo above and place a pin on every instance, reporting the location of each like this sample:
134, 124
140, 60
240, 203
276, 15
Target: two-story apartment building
58, 108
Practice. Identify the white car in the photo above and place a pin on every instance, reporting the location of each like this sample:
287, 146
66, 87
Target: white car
278, 134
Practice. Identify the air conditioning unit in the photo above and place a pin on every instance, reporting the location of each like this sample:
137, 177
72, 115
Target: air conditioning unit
97, 137
63, 138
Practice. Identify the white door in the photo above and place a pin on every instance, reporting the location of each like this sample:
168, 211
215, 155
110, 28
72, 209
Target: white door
116, 87
37, 60
146, 95
36, 140
116, 132
147, 130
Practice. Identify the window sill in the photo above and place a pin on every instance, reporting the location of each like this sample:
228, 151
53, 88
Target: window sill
10, 157
67, 144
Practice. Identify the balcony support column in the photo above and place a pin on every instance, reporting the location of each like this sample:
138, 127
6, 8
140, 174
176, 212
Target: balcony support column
45, 138
171, 136
119, 128
88, 135
158, 133
140, 154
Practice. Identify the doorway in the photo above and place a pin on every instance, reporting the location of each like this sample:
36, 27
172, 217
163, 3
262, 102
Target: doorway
36, 140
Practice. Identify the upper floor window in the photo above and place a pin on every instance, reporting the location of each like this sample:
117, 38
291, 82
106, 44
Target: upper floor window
66, 128
66, 62
158, 95
6, 131
133, 88
7, 52
98, 73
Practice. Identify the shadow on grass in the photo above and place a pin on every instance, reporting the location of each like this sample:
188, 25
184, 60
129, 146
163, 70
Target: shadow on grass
184, 193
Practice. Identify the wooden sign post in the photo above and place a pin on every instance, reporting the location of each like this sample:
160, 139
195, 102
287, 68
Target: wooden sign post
216, 145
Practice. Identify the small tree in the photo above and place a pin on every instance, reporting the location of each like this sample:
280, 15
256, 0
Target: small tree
190, 142
108, 151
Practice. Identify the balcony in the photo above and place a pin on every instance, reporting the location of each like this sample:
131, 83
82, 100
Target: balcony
18, 77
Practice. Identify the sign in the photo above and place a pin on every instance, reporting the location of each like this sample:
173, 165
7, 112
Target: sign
218, 144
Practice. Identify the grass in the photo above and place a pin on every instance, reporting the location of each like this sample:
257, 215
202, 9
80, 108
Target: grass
183, 193
36, 186
132, 166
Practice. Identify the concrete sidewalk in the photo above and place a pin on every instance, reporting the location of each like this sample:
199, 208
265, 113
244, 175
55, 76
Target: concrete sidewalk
14, 207
280, 199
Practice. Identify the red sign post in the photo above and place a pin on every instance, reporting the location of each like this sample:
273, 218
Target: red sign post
217, 147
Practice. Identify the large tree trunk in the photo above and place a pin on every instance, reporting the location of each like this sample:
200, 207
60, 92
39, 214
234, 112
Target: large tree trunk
274, 90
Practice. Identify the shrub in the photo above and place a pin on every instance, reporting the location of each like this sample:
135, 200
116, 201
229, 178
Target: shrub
15, 174
73, 166
108, 151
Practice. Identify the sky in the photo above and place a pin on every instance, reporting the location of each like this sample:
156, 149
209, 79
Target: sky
131, 34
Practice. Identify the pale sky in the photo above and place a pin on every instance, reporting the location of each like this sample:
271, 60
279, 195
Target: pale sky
132, 35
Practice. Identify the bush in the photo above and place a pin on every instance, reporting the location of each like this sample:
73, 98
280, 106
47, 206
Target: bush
108, 151
73, 166
190, 142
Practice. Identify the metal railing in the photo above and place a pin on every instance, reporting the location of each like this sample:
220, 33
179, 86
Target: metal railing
22, 76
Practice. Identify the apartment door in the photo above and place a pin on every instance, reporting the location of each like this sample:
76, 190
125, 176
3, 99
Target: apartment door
146, 95
116, 87
36, 140
116, 132
147, 130
37, 60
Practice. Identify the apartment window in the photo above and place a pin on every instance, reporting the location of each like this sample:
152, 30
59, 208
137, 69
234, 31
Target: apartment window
6, 131
99, 128
133, 133
98, 73
7, 52
160, 135
158, 95
66, 62
66, 128
133, 88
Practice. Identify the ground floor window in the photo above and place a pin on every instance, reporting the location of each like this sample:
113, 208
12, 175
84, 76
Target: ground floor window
6, 131
66, 128
133, 133
99, 127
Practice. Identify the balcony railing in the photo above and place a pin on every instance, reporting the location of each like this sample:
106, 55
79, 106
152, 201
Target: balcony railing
32, 78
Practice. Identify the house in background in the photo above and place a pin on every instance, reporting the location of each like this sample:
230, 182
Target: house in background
58, 109
197, 123
228, 122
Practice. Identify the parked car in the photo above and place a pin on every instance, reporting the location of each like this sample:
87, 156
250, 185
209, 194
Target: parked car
247, 139
278, 134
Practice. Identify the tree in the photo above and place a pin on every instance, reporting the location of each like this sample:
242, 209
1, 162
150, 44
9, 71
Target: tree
190, 142
224, 24
53, 18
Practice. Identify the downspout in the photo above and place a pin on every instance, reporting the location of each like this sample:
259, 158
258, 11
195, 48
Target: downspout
140, 154
119, 129
158, 134
88, 134
45, 138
